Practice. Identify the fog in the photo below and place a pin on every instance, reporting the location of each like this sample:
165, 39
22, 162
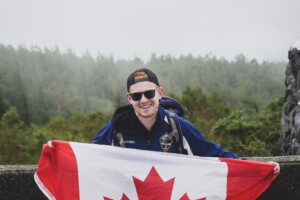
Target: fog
259, 29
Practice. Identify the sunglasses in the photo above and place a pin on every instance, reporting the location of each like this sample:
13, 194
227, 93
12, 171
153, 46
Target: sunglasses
149, 94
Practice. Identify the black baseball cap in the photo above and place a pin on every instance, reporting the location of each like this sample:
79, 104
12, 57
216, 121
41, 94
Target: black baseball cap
140, 75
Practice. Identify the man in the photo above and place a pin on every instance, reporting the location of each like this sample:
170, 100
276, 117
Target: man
143, 124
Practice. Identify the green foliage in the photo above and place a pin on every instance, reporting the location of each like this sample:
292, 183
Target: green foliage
256, 135
46, 95
15, 143
41, 83
20, 145
80, 127
203, 110
237, 134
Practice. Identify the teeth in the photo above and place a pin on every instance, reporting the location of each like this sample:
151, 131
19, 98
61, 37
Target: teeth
146, 106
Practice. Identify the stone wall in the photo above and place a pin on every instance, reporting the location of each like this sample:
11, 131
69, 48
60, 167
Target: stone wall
287, 185
17, 182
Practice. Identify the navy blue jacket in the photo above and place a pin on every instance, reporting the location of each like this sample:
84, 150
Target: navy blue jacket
136, 136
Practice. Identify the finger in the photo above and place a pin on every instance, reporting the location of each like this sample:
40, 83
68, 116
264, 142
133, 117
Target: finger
49, 143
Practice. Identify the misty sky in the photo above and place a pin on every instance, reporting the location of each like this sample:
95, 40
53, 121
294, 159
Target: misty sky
260, 29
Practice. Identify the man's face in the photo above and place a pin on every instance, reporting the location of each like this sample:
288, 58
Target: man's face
145, 107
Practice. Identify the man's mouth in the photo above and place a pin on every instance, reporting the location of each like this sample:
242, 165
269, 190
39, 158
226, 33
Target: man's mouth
146, 106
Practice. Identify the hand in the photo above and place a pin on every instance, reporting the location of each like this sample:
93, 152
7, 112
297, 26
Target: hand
49, 143
276, 167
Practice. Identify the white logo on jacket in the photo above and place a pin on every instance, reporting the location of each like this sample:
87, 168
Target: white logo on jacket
129, 142
165, 142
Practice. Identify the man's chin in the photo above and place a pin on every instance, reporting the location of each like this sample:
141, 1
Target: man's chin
146, 114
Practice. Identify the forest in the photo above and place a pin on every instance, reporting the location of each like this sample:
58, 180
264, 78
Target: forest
47, 94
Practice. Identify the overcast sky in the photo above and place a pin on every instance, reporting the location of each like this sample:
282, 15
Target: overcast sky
260, 29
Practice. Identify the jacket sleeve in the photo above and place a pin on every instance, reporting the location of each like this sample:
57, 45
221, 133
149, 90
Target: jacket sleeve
199, 145
104, 136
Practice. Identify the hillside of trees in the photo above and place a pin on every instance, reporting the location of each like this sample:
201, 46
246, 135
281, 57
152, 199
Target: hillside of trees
47, 94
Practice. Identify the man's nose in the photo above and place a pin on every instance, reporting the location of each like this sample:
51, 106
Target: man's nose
143, 98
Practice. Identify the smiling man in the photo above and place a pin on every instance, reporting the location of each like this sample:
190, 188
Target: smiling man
144, 95
144, 124
65, 170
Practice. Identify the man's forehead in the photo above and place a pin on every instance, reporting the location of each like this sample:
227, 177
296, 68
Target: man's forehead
142, 86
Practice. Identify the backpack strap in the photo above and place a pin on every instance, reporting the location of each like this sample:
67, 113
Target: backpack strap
176, 133
118, 139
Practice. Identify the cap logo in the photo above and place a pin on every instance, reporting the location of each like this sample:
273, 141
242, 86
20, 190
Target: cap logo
140, 76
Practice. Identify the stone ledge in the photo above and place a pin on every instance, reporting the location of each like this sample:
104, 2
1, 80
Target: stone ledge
7, 169
280, 159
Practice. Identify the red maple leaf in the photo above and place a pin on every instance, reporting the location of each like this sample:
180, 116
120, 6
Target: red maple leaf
124, 197
153, 182
186, 197
153, 187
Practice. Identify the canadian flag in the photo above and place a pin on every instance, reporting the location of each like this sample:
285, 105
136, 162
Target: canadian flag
73, 171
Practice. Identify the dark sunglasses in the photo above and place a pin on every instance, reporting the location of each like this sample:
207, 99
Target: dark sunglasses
149, 94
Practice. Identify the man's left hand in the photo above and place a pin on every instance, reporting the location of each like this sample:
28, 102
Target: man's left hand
276, 166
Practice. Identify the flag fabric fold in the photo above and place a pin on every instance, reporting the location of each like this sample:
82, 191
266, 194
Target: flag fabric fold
73, 171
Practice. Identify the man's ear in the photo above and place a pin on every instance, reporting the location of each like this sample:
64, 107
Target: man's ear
160, 92
129, 99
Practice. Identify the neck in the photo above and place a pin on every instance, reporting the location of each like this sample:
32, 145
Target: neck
148, 122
